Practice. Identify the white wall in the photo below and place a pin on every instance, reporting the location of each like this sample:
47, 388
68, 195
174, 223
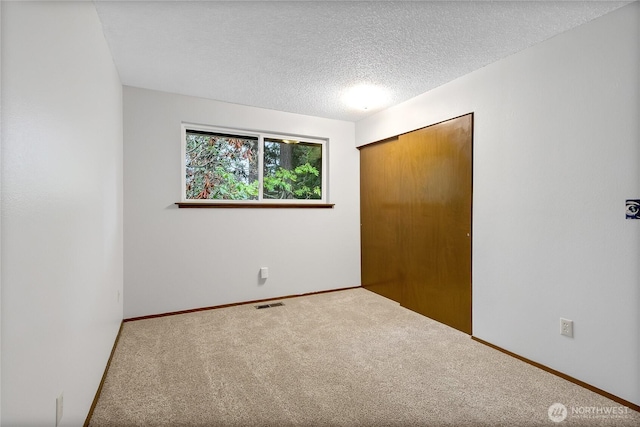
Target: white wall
556, 153
178, 259
0, 212
61, 209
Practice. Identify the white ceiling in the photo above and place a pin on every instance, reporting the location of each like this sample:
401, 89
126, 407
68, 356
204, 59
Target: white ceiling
301, 56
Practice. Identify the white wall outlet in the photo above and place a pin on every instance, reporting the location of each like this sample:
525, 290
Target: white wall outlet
59, 408
566, 327
264, 272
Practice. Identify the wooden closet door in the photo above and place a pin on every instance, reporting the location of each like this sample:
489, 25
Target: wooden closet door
380, 212
416, 220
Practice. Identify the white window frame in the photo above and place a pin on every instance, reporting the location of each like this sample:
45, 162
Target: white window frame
323, 142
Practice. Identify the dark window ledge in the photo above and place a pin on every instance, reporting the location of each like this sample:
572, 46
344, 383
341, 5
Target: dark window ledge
256, 205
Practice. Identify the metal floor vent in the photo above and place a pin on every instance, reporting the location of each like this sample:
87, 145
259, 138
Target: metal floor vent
275, 304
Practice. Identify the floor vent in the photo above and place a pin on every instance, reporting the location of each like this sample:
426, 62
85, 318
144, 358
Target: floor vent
275, 304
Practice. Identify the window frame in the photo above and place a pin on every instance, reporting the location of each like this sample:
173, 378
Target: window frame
261, 135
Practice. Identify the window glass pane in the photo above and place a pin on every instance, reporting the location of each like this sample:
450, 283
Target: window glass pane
292, 169
221, 167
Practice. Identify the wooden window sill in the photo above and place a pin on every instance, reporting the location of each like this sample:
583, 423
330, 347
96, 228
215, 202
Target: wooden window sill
193, 205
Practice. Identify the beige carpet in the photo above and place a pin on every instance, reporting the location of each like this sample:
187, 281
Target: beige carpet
347, 358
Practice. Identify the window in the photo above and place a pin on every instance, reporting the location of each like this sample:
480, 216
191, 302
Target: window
230, 166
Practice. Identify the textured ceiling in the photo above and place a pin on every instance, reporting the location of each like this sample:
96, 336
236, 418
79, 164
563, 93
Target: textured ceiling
302, 56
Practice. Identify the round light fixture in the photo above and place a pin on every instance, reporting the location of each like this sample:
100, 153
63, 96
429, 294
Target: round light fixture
365, 97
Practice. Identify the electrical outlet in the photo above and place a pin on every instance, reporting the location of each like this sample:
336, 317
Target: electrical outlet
566, 327
59, 408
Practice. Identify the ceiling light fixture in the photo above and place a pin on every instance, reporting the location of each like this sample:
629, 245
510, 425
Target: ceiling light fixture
366, 97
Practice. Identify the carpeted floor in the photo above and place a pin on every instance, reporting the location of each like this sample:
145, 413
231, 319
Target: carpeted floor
347, 358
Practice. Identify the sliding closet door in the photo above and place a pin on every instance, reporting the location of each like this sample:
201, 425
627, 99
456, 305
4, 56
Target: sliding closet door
380, 217
416, 220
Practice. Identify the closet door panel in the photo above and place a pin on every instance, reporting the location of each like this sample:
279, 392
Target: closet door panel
439, 181
416, 192
380, 211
